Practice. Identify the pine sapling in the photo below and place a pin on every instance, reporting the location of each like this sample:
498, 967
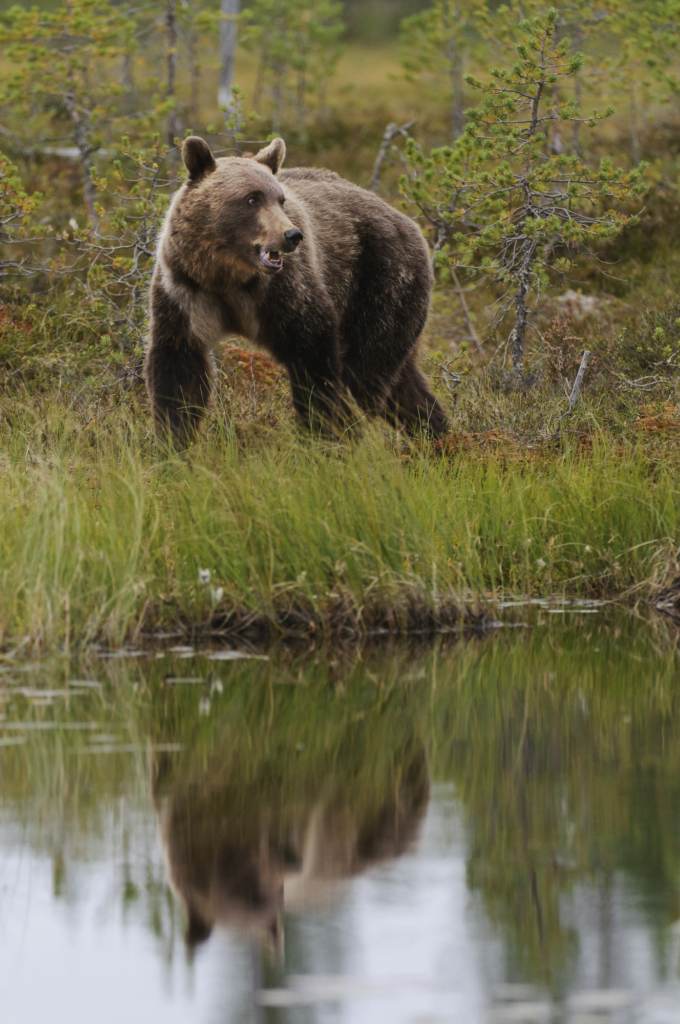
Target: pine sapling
17, 227
498, 204
61, 58
438, 42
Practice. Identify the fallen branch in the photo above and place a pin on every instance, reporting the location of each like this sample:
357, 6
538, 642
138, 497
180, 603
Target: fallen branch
650, 383
576, 389
447, 376
578, 383
466, 312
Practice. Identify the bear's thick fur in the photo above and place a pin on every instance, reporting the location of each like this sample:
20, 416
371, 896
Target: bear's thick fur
325, 276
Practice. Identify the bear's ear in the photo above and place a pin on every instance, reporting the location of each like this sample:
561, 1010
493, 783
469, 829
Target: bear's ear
273, 155
197, 157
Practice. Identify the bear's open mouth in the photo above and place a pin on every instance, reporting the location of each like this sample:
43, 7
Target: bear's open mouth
271, 259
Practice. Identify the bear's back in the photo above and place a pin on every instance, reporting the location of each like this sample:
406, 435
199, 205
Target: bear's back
340, 209
316, 186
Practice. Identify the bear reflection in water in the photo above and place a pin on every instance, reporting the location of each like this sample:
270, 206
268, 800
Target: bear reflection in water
240, 855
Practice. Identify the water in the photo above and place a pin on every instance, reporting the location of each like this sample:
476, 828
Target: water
482, 830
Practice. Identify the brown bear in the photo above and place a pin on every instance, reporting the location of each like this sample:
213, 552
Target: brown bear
326, 277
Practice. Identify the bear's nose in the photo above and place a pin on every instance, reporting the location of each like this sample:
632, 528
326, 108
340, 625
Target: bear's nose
293, 238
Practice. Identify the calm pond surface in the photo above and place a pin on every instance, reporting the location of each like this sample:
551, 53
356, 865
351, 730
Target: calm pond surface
480, 830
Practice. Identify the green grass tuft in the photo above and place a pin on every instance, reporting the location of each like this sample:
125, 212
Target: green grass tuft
103, 537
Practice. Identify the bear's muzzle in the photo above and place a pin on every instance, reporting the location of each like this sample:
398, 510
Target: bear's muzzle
293, 239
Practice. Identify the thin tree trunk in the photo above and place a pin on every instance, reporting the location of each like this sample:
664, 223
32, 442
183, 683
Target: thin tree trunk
391, 130
466, 311
634, 140
277, 93
128, 83
301, 108
528, 249
229, 10
81, 136
171, 25
518, 331
557, 146
575, 139
578, 382
576, 136
259, 80
456, 83
195, 73
385, 144
521, 312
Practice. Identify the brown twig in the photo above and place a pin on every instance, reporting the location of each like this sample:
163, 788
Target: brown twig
466, 312
391, 130
578, 383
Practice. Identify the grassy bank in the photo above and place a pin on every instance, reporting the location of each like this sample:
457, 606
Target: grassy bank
103, 536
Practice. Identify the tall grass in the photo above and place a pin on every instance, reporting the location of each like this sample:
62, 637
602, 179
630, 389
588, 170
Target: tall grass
103, 536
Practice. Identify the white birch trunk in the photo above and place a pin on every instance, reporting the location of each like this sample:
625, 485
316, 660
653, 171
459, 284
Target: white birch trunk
228, 32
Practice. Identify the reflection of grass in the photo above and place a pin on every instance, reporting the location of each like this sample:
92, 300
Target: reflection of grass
47, 773
567, 762
298, 723
101, 538
75, 808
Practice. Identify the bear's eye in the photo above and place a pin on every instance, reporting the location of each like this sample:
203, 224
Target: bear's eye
282, 200
253, 200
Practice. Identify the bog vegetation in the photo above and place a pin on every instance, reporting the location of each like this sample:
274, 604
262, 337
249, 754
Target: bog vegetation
537, 149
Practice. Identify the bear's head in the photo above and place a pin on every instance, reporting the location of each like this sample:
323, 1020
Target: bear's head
232, 211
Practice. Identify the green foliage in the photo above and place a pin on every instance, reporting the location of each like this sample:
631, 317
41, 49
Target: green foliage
58, 53
296, 42
61, 61
17, 212
640, 70
500, 205
113, 265
630, 45
101, 276
16, 206
235, 121
577, 20
438, 42
651, 348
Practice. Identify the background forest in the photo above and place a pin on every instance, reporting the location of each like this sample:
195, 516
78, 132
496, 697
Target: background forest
516, 142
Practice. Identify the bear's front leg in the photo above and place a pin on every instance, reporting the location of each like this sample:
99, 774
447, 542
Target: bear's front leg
319, 396
177, 368
303, 336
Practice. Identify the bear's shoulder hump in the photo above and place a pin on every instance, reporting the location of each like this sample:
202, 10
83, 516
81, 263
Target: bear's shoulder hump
308, 174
